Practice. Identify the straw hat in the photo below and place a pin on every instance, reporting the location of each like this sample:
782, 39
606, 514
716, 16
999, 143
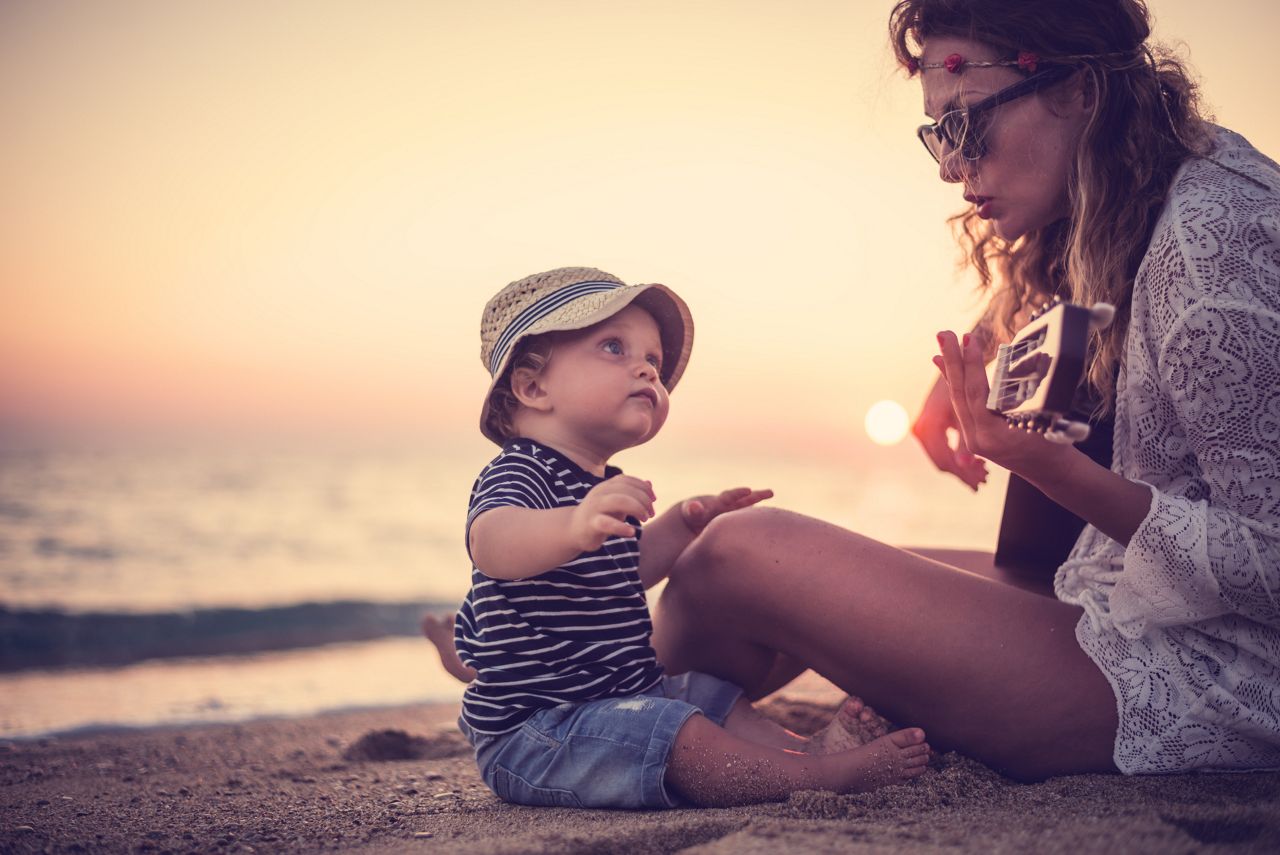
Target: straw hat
573, 298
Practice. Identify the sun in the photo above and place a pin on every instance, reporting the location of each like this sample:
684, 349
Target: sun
886, 422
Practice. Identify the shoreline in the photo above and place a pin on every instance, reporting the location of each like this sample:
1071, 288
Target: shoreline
396, 779
55, 637
223, 690
115, 729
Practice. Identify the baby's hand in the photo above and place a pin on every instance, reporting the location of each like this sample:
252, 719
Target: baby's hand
700, 510
603, 513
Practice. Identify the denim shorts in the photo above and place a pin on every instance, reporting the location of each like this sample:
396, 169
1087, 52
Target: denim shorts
610, 753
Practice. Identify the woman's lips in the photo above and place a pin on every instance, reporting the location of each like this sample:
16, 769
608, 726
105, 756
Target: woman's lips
983, 205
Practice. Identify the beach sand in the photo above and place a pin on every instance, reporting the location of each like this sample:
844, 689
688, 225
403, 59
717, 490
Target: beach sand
403, 780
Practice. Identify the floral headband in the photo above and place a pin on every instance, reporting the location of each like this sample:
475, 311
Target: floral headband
1025, 61
955, 63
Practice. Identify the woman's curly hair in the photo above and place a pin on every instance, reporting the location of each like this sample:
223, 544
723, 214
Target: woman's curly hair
1145, 122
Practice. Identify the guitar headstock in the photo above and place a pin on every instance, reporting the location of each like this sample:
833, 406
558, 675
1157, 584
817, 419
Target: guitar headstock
1037, 373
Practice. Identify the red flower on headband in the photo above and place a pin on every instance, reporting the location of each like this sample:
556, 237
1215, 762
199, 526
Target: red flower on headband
953, 63
1027, 61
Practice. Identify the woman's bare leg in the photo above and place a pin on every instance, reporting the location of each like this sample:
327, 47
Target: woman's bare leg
785, 669
856, 723
782, 671
983, 667
984, 564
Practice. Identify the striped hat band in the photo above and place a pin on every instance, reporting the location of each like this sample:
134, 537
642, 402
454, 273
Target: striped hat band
538, 310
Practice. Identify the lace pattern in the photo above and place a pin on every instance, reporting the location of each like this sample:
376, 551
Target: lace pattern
1185, 622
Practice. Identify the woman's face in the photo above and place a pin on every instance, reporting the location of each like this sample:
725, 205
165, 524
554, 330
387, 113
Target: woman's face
1020, 183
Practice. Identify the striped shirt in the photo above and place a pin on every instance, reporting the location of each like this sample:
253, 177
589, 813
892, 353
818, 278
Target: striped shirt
570, 635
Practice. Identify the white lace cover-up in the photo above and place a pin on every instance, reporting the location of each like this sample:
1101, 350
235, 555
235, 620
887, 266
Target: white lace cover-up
1185, 622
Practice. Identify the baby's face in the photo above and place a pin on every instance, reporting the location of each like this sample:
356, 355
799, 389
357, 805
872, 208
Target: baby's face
603, 382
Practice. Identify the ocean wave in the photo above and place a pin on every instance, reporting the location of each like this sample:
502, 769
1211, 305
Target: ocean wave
52, 546
52, 638
14, 510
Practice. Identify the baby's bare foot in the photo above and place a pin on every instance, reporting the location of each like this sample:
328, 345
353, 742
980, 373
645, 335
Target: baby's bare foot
890, 759
854, 724
438, 628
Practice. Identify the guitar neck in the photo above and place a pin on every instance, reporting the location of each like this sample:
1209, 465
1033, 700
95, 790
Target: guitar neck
1036, 375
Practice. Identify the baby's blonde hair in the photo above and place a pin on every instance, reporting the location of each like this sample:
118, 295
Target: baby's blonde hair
533, 353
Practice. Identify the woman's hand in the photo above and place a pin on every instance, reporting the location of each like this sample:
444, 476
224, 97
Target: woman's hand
1110, 502
982, 432
932, 429
701, 510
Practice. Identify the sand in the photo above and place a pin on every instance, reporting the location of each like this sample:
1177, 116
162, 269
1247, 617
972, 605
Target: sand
403, 780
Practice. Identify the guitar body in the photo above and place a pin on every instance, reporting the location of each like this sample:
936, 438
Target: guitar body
1036, 374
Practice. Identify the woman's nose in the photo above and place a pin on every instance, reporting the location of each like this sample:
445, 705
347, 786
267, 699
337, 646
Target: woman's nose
951, 167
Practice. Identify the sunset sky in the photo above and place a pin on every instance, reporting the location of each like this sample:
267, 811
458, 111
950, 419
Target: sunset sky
287, 216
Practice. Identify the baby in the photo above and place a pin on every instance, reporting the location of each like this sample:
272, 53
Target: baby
567, 703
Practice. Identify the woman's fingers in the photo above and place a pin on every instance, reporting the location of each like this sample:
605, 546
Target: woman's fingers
953, 368
961, 363
977, 388
982, 432
936, 430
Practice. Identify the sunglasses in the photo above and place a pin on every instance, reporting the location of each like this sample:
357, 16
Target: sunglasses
965, 129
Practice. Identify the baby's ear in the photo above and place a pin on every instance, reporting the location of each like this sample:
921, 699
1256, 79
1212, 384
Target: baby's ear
526, 385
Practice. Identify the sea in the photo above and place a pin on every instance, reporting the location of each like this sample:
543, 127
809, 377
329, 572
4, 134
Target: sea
152, 585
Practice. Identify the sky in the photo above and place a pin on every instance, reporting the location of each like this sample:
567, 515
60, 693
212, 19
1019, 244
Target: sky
287, 216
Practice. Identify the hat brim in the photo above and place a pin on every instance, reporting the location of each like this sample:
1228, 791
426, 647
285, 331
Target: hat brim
675, 328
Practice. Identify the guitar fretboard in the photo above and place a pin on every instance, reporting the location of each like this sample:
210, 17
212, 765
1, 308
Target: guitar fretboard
1010, 386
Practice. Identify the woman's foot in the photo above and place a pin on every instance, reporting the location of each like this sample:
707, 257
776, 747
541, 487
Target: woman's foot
438, 629
890, 759
854, 724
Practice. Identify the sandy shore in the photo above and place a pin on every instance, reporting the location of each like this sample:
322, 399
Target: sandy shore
341, 782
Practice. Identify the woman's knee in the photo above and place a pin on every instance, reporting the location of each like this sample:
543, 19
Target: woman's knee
728, 548
752, 535
714, 565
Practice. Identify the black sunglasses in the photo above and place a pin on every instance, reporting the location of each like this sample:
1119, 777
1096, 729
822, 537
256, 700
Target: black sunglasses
965, 129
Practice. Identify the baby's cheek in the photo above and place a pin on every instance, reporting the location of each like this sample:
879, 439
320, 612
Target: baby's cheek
661, 416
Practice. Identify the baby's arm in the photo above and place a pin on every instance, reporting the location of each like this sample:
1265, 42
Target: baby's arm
668, 535
515, 543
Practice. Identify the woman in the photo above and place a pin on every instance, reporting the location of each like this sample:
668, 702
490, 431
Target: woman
1091, 177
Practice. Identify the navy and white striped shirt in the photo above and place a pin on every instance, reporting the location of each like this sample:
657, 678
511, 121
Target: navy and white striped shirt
570, 635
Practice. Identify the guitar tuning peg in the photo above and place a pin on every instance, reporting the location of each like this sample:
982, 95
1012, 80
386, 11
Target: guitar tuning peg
1068, 432
1077, 431
1101, 315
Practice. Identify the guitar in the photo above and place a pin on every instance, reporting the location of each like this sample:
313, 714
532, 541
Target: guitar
1037, 373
